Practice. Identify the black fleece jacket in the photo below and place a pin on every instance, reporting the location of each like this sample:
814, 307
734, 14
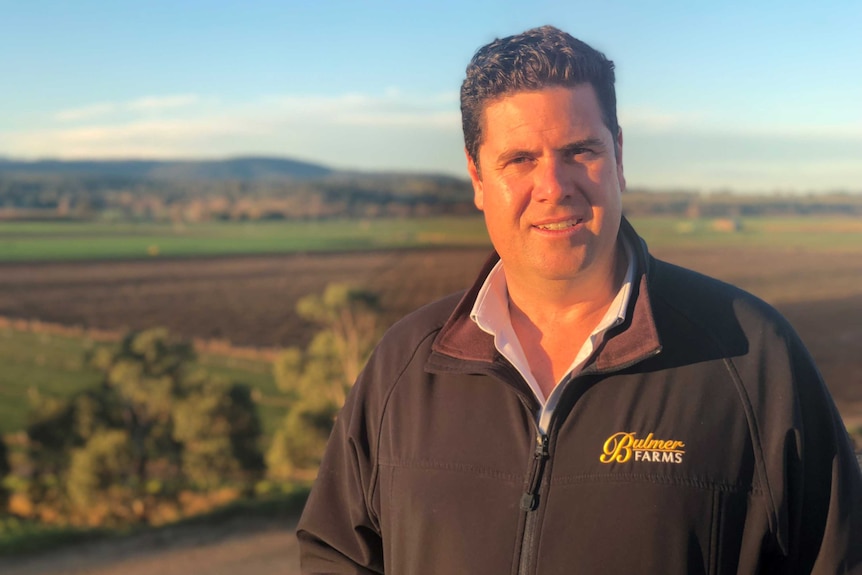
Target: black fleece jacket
700, 438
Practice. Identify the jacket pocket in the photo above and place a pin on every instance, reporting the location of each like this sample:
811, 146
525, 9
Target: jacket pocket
636, 527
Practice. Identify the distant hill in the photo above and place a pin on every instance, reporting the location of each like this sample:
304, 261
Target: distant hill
252, 169
235, 188
252, 188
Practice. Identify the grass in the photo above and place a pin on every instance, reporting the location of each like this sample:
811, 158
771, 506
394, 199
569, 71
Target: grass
23, 537
51, 364
39, 241
55, 365
20, 536
256, 374
833, 234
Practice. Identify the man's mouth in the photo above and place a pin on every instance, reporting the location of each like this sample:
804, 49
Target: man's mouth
559, 226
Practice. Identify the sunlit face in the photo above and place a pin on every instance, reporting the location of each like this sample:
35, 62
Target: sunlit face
549, 182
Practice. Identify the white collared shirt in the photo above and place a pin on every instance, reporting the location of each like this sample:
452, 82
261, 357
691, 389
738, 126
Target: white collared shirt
491, 314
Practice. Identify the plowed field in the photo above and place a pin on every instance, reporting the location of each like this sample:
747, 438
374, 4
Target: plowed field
250, 300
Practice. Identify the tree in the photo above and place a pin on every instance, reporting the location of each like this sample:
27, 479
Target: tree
317, 379
5, 468
101, 469
58, 427
144, 377
349, 317
219, 428
154, 420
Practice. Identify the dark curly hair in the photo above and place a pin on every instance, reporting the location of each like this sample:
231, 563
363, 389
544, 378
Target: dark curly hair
538, 58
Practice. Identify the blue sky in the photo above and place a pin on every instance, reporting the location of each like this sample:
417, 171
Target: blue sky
744, 95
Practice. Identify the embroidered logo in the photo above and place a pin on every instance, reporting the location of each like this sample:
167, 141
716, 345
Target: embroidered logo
621, 447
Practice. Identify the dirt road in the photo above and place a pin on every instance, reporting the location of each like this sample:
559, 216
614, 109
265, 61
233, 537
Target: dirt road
247, 546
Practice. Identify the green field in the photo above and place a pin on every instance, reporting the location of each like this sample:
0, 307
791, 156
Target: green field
55, 366
34, 241
52, 365
40, 241
835, 234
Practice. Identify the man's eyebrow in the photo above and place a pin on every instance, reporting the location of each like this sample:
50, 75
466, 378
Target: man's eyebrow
508, 155
585, 143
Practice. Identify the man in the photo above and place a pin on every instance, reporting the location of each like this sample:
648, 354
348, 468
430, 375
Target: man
583, 408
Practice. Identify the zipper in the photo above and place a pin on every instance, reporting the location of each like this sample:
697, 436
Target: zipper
530, 501
530, 498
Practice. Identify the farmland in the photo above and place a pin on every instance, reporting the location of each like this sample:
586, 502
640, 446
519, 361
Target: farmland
83, 241
55, 365
64, 241
65, 288
810, 268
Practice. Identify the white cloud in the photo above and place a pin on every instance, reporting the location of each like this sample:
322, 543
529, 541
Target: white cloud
150, 129
86, 112
391, 130
148, 104
643, 118
395, 130
702, 150
156, 103
391, 109
744, 161
148, 138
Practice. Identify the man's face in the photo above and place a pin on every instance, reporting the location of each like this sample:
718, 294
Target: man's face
550, 184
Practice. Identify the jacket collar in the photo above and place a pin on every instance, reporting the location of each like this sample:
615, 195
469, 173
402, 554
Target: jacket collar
632, 341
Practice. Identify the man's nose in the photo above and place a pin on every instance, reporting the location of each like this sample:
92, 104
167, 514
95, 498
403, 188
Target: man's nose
553, 182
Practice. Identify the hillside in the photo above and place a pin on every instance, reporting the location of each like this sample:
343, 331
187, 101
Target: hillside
231, 189
255, 188
243, 168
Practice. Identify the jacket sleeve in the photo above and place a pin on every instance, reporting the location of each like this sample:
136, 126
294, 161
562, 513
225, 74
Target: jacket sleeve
823, 483
338, 531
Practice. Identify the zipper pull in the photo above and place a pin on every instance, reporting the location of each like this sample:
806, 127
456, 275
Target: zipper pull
530, 499
541, 446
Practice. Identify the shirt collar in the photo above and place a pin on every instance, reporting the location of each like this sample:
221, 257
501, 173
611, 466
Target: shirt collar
490, 313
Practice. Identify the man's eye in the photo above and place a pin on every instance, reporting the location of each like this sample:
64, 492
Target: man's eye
581, 154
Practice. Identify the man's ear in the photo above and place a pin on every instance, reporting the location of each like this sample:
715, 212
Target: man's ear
618, 152
476, 180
